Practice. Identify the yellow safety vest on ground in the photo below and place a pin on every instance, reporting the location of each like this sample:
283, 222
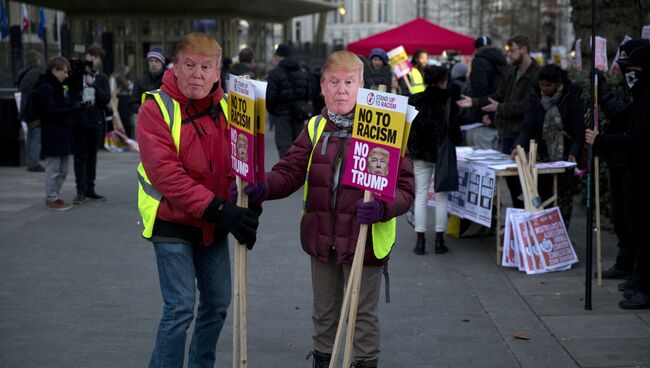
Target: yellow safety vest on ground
383, 233
417, 82
148, 197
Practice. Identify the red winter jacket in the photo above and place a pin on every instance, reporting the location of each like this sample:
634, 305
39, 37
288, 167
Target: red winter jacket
327, 227
190, 179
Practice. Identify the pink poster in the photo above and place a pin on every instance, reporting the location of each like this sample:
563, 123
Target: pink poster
552, 238
241, 105
377, 132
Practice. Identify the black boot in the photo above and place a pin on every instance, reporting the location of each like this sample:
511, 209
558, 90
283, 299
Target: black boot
440, 244
321, 360
419, 247
365, 364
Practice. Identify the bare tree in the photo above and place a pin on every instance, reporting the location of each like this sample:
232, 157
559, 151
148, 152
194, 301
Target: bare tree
614, 19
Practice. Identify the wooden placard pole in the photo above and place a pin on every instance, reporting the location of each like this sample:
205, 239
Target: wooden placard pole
599, 259
351, 297
240, 304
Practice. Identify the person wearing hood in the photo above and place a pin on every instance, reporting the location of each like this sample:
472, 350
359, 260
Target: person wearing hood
288, 99
183, 198
428, 130
150, 80
381, 72
616, 104
636, 69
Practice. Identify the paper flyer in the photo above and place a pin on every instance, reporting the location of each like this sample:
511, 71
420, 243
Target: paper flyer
260, 127
377, 131
399, 61
241, 103
552, 239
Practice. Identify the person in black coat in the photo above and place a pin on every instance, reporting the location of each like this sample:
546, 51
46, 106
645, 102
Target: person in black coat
93, 92
616, 104
634, 143
288, 99
56, 131
554, 119
150, 80
428, 130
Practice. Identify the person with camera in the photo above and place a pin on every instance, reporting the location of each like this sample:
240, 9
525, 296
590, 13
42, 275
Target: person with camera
90, 87
288, 99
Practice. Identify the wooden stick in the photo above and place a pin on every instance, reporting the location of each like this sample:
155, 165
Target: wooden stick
599, 259
354, 303
351, 290
522, 181
240, 306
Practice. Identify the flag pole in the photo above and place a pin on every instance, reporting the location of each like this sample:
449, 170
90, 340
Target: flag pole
590, 165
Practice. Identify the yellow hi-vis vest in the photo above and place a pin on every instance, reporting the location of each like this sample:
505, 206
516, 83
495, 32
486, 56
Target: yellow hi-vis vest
148, 197
417, 82
383, 233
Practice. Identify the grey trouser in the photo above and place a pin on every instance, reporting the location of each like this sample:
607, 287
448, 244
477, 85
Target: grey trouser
56, 169
33, 147
328, 281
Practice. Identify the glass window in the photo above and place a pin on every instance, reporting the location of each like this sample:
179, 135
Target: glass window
383, 11
422, 8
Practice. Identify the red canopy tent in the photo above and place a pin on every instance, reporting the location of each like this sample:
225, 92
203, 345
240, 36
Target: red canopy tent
416, 34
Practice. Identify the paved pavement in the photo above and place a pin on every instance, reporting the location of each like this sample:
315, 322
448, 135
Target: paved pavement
80, 289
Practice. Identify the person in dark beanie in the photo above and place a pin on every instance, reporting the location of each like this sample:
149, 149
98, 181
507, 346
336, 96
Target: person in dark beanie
150, 80
636, 69
288, 99
246, 64
381, 73
89, 127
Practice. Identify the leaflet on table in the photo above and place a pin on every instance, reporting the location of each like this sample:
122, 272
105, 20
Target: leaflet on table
260, 127
377, 131
399, 62
470, 126
241, 103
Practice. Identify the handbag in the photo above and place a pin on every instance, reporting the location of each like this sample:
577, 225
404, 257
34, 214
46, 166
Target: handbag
446, 171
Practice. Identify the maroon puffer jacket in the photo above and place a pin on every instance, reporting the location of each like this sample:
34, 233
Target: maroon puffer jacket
329, 223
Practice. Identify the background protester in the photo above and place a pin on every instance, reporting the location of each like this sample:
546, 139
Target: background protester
150, 80
245, 65
121, 88
288, 99
459, 86
381, 72
419, 61
28, 77
429, 127
554, 119
636, 68
617, 106
52, 110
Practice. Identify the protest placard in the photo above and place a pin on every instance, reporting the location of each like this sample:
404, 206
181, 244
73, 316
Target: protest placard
527, 248
260, 127
399, 61
601, 53
241, 102
377, 131
510, 254
551, 237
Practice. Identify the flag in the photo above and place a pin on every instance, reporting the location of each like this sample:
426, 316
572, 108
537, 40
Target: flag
41, 24
25, 26
4, 20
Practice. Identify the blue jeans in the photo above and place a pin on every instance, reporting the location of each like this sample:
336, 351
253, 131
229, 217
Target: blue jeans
33, 147
181, 267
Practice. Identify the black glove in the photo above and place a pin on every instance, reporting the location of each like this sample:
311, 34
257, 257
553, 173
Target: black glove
241, 222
